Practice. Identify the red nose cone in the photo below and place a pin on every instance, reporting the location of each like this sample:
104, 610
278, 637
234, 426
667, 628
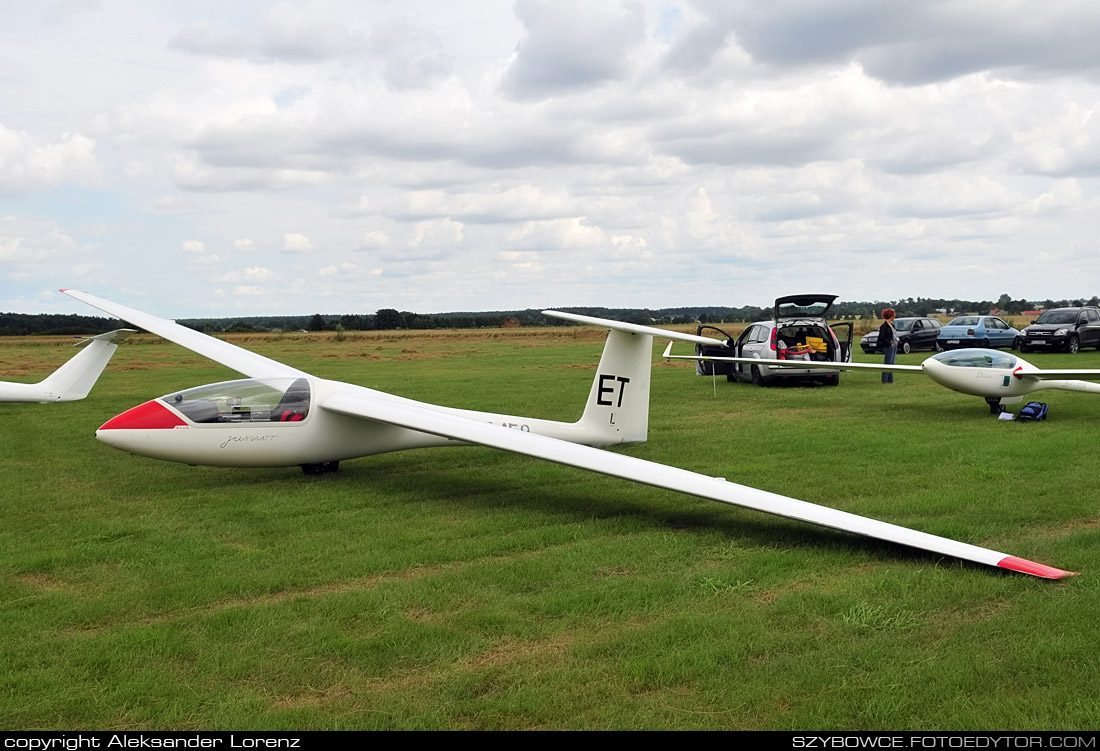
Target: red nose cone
149, 416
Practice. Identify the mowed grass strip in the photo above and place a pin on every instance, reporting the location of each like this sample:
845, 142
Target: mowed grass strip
471, 589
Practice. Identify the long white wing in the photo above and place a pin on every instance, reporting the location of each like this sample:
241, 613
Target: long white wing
823, 365
229, 355
1058, 375
427, 420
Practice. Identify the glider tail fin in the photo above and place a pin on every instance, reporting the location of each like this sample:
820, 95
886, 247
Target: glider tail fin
75, 378
618, 404
617, 410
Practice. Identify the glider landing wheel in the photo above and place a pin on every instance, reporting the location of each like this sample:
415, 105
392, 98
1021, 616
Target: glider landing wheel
320, 468
995, 406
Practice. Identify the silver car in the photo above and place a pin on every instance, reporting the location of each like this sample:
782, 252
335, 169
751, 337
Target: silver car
799, 330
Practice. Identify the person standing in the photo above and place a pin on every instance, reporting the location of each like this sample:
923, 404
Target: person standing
888, 340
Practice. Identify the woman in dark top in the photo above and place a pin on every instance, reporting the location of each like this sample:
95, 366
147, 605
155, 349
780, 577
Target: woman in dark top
888, 340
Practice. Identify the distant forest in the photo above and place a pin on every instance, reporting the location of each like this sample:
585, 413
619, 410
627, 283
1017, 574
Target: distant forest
387, 319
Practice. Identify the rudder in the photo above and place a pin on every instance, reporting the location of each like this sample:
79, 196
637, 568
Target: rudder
617, 410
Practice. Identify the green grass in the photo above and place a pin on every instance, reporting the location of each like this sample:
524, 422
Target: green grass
472, 589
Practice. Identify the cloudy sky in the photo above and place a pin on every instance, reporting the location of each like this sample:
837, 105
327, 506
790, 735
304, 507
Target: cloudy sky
213, 158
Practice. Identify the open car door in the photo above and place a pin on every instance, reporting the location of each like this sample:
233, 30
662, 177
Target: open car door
710, 367
843, 331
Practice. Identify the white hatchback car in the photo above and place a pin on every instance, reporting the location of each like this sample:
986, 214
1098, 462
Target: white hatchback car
798, 331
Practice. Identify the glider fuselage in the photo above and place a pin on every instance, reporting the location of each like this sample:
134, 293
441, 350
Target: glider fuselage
993, 374
276, 422
977, 381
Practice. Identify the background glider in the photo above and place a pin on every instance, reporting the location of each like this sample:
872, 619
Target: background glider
281, 416
1001, 378
74, 379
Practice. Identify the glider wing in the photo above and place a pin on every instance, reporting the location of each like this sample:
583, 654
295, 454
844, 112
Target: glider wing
1058, 375
426, 420
224, 353
822, 364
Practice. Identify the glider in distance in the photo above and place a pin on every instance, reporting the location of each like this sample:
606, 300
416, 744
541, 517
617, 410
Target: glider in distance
280, 416
74, 379
1001, 378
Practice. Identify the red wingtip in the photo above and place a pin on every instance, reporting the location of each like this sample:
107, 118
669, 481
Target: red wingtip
63, 289
1035, 569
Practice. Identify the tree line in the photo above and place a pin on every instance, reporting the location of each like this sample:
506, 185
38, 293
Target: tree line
388, 319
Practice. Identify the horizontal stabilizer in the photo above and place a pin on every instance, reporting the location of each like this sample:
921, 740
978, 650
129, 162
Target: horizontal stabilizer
634, 328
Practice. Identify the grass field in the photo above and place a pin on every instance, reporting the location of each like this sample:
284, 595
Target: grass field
464, 588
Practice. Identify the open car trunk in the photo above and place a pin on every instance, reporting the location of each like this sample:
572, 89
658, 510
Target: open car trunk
806, 342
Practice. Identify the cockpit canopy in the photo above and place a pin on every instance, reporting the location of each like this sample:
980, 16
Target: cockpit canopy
267, 400
976, 358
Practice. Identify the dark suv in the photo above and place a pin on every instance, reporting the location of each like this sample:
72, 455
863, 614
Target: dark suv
1063, 328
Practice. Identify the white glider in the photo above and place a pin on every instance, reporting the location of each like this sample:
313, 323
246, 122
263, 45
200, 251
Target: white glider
1001, 378
281, 416
75, 378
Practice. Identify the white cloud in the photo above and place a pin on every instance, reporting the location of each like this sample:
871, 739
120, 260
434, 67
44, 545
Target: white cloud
375, 240
557, 234
341, 270
294, 242
438, 233
29, 162
412, 57
258, 273
29, 245
571, 44
288, 32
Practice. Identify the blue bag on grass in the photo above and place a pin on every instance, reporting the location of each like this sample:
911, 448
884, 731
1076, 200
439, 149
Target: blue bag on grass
1032, 412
